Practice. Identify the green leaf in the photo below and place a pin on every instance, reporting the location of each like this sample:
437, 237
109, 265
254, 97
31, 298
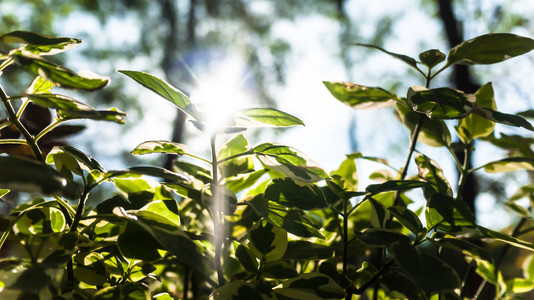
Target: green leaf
528, 267
312, 286
246, 258
160, 147
29, 176
305, 250
446, 213
382, 237
265, 117
519, 285
243, 181
431, 172
202, 174
394, 185
293, 220
435, 268
165, 90
173, 240
267, 242
113, 115
346, 175
243, 164
489, 49
87, 162
509, 164
474, 126
150, 171
3, 192
237, 289
441, 103
134, 242
409, 60
165, 212
407, 218
59, 102
290, 194
60, 75
33, 279
279, 270
379, 214
463, 246
290, 162
507, 119
491, 234
359, 96
431, 57
518, 209
90, 276
40, 86
433, 132
39, 43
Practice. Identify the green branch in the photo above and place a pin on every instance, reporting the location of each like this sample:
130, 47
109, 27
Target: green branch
13, 118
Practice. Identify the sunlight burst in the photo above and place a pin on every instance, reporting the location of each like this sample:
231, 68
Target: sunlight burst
220, 93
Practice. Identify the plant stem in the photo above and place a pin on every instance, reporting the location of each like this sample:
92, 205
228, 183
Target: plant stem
48, 129
217, 206
13, 141
345, 236
464, 172
413, 142
375, 277
250, 152
13, 118
79, 211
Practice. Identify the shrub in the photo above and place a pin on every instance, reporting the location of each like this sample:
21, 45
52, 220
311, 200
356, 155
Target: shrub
262, 221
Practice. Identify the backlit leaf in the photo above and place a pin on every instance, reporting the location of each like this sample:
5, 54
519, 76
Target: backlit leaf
39, 43
58, 102
433, 132
159, 147
60, 75
407, 218
301, 249
165, 90
294, 221
431, 57
409, 60
235, 146
519, 285
441, 103
490, 48
509, 164
394, 185
474, 126
267, 242
359, 96
491, 234
507, 119
312, 286
289, 162
430, 171
290, 194
113, 115
265, 117
40, 86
